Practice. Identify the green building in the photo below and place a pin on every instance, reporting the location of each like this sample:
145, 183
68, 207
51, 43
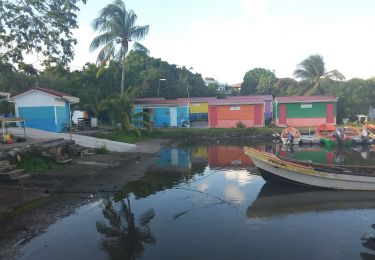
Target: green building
298, 111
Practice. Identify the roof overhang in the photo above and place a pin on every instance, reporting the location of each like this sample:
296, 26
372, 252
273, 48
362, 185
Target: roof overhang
305, 101
73, 100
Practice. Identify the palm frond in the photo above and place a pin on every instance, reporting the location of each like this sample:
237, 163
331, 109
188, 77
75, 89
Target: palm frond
139, 32
139, 47
129, 19
106, 53
101, 40
302, 74
334, 74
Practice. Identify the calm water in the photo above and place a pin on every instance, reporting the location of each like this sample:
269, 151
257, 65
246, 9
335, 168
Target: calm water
202, 202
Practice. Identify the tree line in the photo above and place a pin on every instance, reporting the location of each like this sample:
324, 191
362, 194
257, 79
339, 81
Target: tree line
44, 27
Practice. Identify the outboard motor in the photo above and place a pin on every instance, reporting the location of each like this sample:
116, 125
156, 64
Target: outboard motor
365, 135
339, 134
276, 135
290, 138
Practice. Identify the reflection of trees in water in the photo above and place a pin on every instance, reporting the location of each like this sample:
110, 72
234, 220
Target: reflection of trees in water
155, 180
123, 239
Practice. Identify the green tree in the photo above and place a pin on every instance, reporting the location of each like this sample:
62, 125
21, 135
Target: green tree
38, 26
287, 87
314, 72
258, 81
117, 28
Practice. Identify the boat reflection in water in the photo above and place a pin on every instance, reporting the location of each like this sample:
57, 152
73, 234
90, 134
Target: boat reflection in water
277, 199
355, 155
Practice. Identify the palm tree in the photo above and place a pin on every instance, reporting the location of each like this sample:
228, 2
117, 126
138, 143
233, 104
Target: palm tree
117, 28
313, 71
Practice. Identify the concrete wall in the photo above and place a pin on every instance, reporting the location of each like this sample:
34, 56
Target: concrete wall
305, 114
43, 111
39, 117
227, 116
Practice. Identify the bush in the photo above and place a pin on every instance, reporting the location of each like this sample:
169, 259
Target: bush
101, 150
240, 125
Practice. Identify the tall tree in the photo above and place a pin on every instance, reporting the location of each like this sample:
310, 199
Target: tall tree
313, 70
258, 81
117, 28
38, 26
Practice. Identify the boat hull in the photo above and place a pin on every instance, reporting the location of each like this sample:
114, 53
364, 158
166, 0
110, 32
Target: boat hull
271, 166
295, 140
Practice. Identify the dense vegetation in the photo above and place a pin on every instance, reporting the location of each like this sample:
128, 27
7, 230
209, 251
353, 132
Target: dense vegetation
44, 27
99, 93
96, 92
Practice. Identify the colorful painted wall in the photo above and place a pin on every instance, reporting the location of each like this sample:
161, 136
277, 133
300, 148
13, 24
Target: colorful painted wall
305, 113
43, 111
164, 116
198, 111
227, 116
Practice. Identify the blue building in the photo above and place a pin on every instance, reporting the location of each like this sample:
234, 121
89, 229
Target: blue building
161, 112
44, 109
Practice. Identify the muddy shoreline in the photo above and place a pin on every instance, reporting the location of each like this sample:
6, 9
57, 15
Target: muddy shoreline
30, 206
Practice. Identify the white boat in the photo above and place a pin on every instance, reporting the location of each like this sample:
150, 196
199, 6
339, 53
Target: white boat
290, 135
310, 139
319, 175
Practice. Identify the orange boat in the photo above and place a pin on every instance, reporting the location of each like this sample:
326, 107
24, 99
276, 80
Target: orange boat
370, 127
328, 134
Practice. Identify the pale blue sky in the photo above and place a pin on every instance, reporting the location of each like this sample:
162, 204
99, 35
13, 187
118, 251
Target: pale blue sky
225, 38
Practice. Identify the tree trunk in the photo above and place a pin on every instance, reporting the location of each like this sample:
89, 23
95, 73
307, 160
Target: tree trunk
124, 51
122, 79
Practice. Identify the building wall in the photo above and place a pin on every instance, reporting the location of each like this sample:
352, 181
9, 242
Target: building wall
43, 111
198, 111
161, 115
198, 107
268, 109
39, 117
62, 113
298, 116
182, 115
229, 115
34, 99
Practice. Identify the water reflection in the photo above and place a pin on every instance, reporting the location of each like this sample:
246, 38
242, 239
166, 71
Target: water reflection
278, 199
358, 155
369, 242
193, 198
123, 238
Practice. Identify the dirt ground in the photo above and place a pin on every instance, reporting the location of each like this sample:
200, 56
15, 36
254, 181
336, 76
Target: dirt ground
28, 207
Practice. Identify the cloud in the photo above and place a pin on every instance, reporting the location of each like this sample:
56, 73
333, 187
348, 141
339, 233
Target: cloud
233, 193
241, 176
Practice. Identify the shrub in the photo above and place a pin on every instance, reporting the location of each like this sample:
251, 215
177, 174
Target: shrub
101, 150
240, 125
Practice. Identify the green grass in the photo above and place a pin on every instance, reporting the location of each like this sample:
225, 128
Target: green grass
37, 163
182, 133
101, 150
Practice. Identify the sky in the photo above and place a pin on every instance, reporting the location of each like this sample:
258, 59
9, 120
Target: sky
224, 39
